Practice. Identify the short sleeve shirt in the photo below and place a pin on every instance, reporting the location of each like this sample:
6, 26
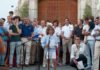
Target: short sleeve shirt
26, 30
14, 38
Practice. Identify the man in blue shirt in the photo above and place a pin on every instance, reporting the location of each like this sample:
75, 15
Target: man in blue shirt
27, 34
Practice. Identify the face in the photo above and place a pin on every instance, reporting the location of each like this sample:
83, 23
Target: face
77, 40
26, 20
9, 18
55, 24
67, 21
51, 31
43, 23
87, 21
97, 21
79, 22
35, 22
16, 21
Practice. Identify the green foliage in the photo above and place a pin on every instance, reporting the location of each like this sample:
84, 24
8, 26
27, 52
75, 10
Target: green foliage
87, 11
24, 10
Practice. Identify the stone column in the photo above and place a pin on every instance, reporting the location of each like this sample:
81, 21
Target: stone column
94, 11
81, 7
33, 9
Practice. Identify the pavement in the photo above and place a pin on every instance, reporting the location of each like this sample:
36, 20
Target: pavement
36, 68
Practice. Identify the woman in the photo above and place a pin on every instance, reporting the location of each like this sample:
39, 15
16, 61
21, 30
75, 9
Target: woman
15, 41
90, 42
3, 35
57, 29
51, 43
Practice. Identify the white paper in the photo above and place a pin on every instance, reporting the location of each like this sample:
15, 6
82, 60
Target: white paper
80, 65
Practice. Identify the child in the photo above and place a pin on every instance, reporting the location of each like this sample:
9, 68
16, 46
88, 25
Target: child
51, 43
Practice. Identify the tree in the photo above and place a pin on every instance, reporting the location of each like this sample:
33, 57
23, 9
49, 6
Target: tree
87, 11
24, 10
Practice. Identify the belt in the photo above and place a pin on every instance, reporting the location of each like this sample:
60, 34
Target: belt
97, 40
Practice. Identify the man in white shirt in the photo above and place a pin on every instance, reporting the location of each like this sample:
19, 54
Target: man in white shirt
8, 23
66, 38
78, 53
42, 34
96, 34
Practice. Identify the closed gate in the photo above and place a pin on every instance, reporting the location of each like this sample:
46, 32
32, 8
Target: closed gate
57, 9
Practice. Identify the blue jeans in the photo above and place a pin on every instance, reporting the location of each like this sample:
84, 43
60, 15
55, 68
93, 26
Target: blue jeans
90, 51
13, 46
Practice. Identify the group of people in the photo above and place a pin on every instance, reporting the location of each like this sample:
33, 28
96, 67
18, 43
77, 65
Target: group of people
57, 43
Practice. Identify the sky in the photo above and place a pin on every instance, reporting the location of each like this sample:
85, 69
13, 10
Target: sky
5, 7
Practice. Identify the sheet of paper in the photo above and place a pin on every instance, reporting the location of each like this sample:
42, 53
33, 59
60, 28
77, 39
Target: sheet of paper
80, 65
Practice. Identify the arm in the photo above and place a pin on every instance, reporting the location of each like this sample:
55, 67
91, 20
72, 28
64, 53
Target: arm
85, 33
95, 32
12, 33
72, 52
18, 29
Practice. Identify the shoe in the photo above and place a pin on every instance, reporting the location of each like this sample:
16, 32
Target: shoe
52, 65
26, 65
60, 64
10, 65
18, 65
44, 65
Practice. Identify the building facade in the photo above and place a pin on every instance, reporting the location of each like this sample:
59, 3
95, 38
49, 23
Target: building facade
59, 9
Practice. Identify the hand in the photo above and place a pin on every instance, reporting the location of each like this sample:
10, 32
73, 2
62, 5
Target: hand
75, 61
98, 30
47, 46
87, 33
29, 38
41, 34
62, 36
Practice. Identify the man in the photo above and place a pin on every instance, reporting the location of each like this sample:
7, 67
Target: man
96, 34
11, 13
66, 34
43, 28
78, 53
27, 34
42, 34
8, 23
78, 29
35, 42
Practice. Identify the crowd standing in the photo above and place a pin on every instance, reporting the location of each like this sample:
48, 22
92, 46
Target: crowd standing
58, 43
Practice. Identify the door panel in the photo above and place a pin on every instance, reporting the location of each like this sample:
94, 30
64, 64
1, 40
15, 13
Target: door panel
57, 9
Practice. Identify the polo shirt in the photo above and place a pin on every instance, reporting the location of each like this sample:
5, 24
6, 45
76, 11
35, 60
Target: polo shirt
67, 30
26, 30
14, 38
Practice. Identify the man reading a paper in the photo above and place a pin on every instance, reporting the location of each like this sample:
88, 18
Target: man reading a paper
78, 58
